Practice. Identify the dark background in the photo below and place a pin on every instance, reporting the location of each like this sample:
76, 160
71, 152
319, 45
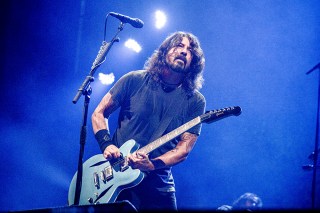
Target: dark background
257, 55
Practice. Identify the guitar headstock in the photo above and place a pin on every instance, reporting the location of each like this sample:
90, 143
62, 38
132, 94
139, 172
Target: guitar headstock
217, 114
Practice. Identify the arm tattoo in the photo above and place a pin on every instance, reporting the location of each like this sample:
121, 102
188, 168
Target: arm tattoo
189, 139
110, 106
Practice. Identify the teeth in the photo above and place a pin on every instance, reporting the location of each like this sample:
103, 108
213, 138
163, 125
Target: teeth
180, 61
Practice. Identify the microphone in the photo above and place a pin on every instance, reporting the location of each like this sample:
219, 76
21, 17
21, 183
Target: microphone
135, 22
315, 67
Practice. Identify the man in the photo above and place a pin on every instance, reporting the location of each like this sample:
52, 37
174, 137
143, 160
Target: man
153, 102
246, 202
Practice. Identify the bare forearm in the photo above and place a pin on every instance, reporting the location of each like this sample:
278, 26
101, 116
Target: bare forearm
98, 122
181, 151
100, 115
178, 154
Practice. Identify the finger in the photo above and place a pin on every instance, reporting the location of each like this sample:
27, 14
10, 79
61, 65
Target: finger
114, 151
133, 156
138, 155
107, 155
115, 154
130, 158
142, 155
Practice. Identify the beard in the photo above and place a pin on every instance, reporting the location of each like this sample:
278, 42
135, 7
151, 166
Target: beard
177, 66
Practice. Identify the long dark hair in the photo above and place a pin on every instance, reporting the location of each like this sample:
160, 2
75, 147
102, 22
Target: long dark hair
254, 202
194, 78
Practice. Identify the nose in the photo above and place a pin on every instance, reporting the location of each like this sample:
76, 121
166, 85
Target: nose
183, 52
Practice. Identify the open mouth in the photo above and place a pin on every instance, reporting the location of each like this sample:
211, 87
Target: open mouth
180, 58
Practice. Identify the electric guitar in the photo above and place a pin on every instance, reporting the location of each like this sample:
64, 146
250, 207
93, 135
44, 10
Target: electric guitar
103, 180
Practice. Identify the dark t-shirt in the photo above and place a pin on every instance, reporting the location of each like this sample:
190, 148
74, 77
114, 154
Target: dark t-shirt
144, 107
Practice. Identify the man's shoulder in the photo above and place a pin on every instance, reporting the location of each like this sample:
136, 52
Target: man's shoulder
134, 76
137, 73
199, 96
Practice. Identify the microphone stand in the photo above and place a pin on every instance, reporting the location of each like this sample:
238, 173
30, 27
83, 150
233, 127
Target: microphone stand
316, 149
86, 90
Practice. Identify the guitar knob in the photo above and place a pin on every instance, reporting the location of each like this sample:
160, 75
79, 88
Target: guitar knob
90, 200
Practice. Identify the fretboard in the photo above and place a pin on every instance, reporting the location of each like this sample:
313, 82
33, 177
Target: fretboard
169, 136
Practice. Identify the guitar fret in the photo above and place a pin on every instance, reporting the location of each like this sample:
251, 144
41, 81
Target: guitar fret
169, 136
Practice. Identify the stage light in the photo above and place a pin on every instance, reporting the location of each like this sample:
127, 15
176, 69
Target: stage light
106, 79
132, 44
161, 19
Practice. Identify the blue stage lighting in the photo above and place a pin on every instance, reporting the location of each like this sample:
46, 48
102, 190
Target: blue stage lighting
132, 44
161, 19
106, 79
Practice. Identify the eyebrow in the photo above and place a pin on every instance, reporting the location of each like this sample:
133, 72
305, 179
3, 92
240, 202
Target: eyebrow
189, 47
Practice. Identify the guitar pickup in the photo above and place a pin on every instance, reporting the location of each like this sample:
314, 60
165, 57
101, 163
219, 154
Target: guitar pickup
102, 176
124, 164
108, 173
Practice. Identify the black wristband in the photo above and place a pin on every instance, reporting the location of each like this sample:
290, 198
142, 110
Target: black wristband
103, 138
157, 163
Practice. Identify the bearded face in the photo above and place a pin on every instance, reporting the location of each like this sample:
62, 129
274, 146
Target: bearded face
178, 64
179, 57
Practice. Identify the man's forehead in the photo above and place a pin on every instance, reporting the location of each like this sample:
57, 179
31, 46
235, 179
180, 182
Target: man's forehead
185, 40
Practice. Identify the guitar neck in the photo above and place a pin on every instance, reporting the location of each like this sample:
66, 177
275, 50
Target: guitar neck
208, 117
169, 136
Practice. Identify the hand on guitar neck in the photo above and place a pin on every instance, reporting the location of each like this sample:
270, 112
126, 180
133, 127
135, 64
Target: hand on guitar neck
141, 161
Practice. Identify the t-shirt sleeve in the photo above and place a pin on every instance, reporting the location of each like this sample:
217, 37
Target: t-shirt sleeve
123, 88
197, 110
